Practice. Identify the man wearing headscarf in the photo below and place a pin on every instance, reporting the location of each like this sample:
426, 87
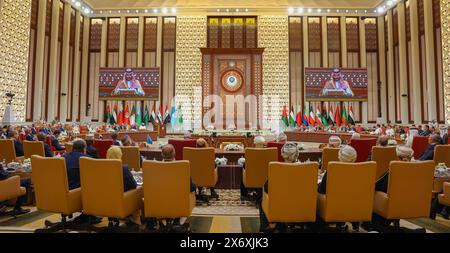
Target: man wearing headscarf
334, 142
404, 154
347, 154
290, 155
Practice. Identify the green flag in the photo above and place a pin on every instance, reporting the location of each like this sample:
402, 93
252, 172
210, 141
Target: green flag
139, 114
146, 116
292, 122
180, 115
344, 116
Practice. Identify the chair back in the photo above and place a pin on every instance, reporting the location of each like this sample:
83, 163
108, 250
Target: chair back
329, 155
257, 165
131, 157
383, 156
102, 186
279, 146
10, 188
69, 147
167, 189
410, 189
179, 145
33, 148
350, 191
203, 165
102, 147
442, 154
419, 145
51, 185
8, 151
226, 143
363, 148
292, 192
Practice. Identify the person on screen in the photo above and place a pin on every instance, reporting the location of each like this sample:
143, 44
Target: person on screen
128, 83
337, 83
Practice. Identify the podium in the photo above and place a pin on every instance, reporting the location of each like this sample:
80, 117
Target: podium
8, 117
162, 131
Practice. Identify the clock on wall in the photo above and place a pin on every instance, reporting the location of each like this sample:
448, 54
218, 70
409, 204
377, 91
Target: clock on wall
232, 81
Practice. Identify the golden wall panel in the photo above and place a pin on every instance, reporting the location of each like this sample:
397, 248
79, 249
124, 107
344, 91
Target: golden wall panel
273, 35
14, 46
191, 36
445, 22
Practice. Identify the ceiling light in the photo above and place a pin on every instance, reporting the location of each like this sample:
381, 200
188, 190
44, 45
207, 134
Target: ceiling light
173, 10
300, 10
164, 10
291, 10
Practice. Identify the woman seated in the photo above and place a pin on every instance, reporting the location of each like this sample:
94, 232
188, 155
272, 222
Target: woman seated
290, 155
404, 154
347, 154
114, 152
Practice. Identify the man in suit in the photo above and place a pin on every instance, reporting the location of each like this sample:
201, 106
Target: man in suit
18, 210
90, 149
426, 131
168, 155
73, 163
433, 140
18, 146
47, 150
55, 142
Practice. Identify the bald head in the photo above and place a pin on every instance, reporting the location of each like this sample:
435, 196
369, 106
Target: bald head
168, 152
383, 141
201, 143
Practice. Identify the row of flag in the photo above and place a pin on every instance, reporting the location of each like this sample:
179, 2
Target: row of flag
139, 117
319, 117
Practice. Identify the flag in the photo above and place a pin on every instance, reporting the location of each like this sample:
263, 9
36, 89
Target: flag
299, 119
351, 118
305, 116
146, 116
139, 114
133, 116
324, 116
127, 115
172, 116
284, 116
180, 115
108, 114
311, 117
114, 114
337, 116
331, 116
166, 116
120, 116
159, 116
292, 118
318, 117
153, 115
344, 116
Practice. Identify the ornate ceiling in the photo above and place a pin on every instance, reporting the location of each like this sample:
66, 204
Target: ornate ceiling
124, 4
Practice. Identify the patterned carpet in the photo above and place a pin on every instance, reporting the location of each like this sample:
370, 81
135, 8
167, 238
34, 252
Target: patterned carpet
228, 204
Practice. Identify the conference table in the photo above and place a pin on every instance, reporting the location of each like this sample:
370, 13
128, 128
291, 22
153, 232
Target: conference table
321, 137
136, 136
230, 175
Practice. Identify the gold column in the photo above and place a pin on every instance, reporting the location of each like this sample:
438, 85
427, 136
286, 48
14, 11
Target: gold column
324, 42
140, 52
65, 62
415, 61
53, 65
39, 65
123, 26
159, 51
404, 107
76, 67
85, 68
430, 60
305, 49
382, 70
391, 76
445, 22
343, 24
103, 53
363, 60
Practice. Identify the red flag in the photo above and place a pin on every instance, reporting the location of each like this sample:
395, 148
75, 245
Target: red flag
311, 117
337, 116
120, 116
317, 116
127, 116
299, 119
